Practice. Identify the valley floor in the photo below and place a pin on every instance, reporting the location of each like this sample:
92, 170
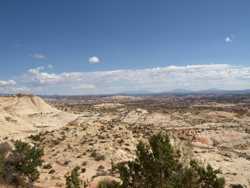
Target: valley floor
105, 131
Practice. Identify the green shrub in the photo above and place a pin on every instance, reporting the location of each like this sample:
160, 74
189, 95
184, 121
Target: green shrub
73, 180
1, 165
158, 165
36, 137
21, 165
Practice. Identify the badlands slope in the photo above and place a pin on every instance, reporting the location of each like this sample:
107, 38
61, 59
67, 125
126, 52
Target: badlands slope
21, 115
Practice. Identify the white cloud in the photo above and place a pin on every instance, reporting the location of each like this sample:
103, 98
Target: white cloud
94, 60
36, 75
7, 86
159, 79
7, 83
229, 38
39, 56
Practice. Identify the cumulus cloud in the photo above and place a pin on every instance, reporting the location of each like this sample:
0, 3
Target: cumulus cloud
229, 38
94, 60
7, 86
36, 75
159, 79
39, 56
7, 83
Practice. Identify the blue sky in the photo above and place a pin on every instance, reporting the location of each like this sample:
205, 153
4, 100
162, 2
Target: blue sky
112, 46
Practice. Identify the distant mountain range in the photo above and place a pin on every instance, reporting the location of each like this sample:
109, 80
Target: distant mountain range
173, 92
190, 92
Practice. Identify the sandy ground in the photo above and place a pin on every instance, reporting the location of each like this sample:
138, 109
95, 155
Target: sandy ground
109, 132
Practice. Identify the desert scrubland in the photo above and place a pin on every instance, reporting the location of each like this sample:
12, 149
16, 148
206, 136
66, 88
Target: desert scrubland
96, 132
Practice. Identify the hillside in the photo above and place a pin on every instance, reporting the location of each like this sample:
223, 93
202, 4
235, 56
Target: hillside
21, 115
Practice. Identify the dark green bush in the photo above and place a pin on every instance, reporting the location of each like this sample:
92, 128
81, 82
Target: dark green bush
21, 165
158, 165
1, 165
73, 180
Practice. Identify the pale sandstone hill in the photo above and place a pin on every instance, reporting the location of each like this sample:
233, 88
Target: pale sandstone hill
28, 104
21, 115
